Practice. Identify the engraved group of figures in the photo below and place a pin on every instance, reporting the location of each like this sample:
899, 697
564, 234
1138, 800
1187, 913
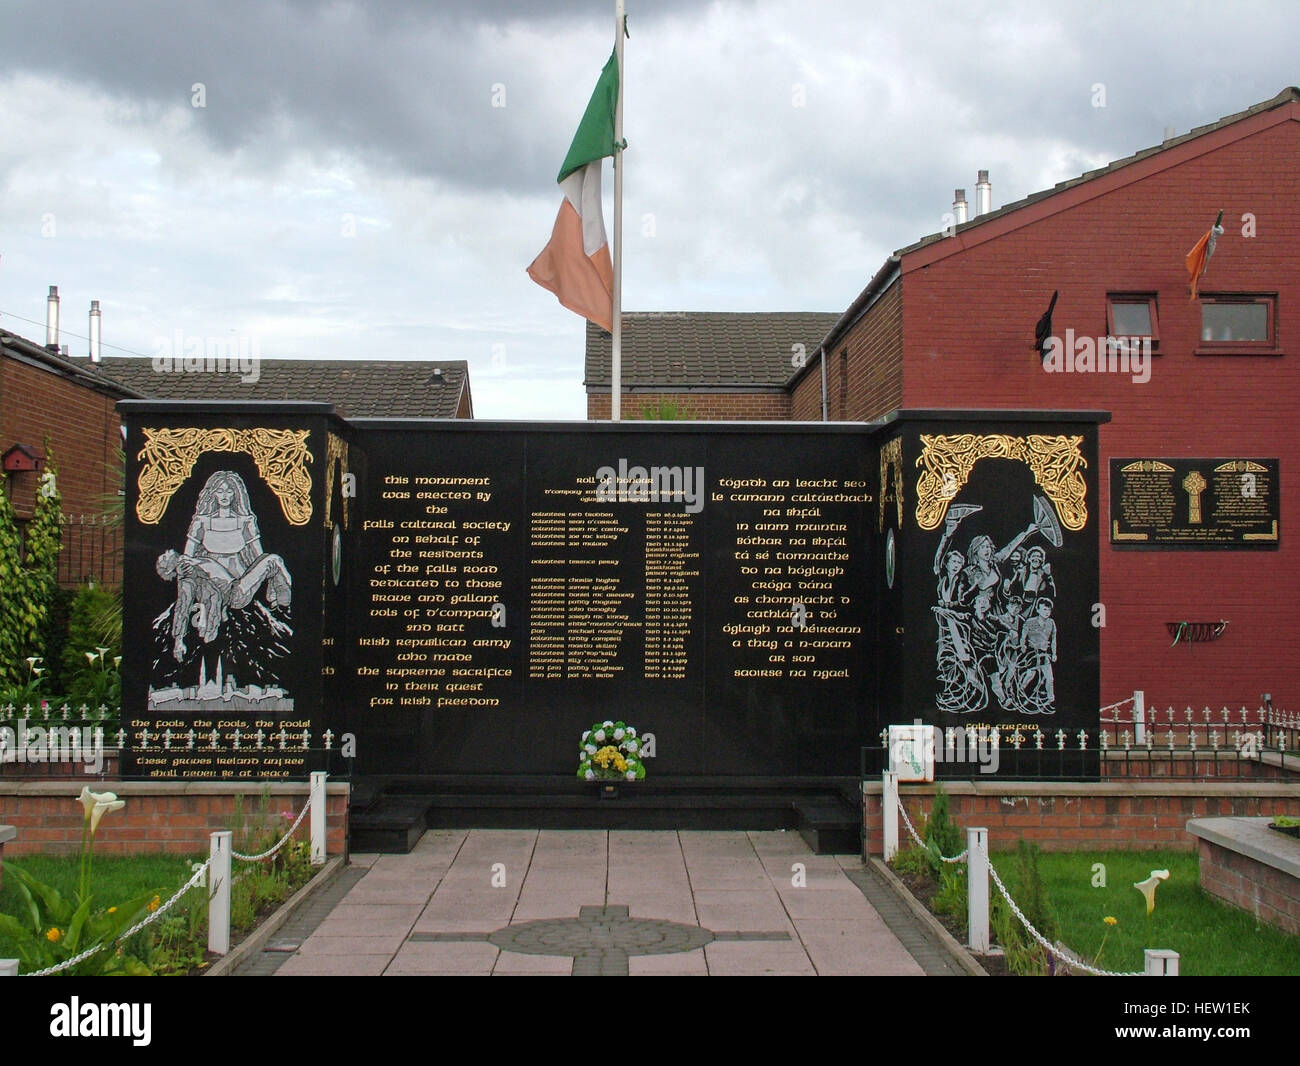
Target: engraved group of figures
997, 636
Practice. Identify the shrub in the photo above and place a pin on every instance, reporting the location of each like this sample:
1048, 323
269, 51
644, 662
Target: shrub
89, 675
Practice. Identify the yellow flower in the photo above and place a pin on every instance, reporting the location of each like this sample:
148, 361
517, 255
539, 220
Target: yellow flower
153, 904
54, 935
1110, 921
112, 910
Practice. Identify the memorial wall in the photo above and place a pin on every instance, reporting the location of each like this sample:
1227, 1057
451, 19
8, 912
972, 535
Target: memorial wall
463, 597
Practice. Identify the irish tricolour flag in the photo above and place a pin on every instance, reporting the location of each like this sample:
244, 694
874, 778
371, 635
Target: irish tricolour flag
575, 265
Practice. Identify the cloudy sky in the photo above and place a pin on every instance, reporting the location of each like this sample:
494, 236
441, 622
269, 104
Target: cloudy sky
370, 180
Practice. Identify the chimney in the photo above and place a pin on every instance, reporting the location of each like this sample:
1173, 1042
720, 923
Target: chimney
983, 194
959, 205
52, 319
94, 332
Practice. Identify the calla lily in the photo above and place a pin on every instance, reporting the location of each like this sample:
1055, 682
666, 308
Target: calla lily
87, 799
102, 809
1148, 888
91, 657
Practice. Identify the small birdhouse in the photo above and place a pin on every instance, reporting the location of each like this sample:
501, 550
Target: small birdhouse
21, 457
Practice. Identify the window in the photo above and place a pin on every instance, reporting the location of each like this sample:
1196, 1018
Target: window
1133, 315
1238, 322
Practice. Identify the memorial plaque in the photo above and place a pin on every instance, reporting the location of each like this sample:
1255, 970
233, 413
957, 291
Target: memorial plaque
989, 620
464, 597
225, 540
1194, 503
516, 583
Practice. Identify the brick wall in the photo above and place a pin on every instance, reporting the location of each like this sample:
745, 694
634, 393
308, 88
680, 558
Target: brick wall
83, 428
1128, 816
704, 406
874, 347
171, 817
969, 310
1269, 894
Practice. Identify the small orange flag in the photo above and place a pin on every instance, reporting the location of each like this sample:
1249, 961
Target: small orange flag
1199, 257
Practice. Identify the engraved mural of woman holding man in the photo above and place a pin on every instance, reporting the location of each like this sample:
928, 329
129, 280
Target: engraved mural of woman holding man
218, 576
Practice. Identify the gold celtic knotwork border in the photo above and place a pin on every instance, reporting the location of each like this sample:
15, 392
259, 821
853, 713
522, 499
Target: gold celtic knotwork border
1056, 461
891, 458
169, 455
336, 461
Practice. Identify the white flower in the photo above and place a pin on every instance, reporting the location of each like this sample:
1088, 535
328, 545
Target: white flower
586, 735
599, 735
91, 657
618, 734
630, 775
590, 775
631, 732
609, 725
1148, 888
590, 749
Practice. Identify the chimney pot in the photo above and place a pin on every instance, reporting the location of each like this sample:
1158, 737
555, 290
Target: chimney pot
959, 205
95, 355
52, 318
983, 194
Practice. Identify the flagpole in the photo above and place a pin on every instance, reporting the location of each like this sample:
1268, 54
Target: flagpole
616, 375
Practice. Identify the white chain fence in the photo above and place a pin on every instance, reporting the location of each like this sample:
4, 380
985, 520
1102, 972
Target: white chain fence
282, 842
921, 843
1074, 963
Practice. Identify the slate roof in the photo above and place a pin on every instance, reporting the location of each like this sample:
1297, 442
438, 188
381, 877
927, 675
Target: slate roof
680, 349
357, 388
80, 371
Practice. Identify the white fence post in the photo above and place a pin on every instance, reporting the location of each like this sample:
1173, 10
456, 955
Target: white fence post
1161, 963
8, 967
1139, 717
977, 889
219, 893
889, 814
318, 817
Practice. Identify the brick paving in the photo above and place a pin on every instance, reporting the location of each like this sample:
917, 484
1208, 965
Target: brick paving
618, 903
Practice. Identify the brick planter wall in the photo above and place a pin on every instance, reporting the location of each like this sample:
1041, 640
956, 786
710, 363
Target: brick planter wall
174, 817
1269, 894
1126, 816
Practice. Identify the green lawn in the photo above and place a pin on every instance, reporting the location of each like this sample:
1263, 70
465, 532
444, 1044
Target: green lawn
115, 878
1212, 938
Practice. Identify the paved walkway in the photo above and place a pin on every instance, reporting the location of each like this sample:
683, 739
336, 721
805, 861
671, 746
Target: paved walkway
480, 902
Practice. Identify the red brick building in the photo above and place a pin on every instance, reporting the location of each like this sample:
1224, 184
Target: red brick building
47, 396
950, 322
711, 366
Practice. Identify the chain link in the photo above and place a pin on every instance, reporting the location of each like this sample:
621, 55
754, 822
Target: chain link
283, 840
1075, 963
921, 843
194, 880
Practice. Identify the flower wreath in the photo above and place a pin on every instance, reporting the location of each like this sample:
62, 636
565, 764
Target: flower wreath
610, 751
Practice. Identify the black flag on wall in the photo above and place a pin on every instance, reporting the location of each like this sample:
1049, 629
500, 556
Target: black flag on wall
1043, 331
